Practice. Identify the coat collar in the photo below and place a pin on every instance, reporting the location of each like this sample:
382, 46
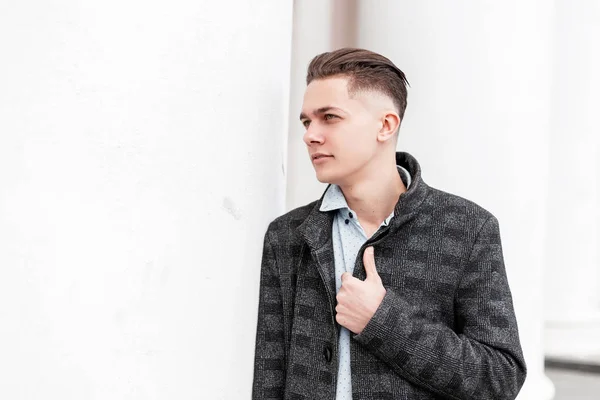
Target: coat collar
317, 227
409, 202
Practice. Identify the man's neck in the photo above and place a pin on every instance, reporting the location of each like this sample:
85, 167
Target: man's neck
374, 199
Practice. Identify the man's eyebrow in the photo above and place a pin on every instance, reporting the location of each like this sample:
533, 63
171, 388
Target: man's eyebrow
320, 111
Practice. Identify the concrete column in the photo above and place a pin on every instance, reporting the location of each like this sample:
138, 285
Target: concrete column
319, 26
142, 155
478, 120
573, 273
312, 34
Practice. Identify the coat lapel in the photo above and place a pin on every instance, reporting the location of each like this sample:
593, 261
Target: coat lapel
316, 231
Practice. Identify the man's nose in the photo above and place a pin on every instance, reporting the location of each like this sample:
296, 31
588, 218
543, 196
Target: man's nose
313, 135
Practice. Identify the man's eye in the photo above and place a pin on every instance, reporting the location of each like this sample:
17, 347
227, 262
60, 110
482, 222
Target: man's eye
330, 116
306, 123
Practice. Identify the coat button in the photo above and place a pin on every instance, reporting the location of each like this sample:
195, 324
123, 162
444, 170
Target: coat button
327, 353
347, 221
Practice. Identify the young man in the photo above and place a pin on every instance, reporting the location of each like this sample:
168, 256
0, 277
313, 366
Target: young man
384, 288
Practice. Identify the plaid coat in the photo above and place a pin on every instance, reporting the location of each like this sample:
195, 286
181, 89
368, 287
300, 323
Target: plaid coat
445, 329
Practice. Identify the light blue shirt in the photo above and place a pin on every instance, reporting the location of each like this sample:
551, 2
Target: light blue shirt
348, 237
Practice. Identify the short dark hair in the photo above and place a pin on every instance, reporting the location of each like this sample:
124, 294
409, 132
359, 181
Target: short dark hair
365, 70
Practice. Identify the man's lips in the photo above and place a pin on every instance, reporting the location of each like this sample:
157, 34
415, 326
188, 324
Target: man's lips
320, 158
319, 155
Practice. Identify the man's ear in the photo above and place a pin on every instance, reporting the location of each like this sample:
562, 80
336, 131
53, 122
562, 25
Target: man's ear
390, 123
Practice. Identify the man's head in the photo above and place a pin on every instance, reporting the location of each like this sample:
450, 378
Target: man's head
353, 106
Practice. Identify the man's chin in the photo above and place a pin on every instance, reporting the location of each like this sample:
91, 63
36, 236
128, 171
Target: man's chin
326, 178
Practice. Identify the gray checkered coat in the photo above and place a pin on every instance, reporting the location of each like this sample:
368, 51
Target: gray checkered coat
446, 328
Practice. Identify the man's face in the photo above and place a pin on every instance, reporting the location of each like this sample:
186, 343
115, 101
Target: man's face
342, 128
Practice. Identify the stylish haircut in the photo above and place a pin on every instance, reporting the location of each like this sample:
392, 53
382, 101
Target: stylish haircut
365, 70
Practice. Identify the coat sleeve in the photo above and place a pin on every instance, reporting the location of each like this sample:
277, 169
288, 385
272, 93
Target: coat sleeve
481, 358
269, 356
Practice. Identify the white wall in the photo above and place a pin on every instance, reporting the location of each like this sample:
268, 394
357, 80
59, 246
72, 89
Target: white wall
572, 281
142, 154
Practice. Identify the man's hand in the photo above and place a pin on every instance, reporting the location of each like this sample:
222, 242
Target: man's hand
358, 300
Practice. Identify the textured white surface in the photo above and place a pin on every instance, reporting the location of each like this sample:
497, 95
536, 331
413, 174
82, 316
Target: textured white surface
141, 157
573, 260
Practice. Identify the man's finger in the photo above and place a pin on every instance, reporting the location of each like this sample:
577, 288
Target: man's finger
346, 276
369, 262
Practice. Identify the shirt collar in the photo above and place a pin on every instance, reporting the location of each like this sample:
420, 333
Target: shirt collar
334, 199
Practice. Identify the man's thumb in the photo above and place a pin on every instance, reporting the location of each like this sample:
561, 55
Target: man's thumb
369, 262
